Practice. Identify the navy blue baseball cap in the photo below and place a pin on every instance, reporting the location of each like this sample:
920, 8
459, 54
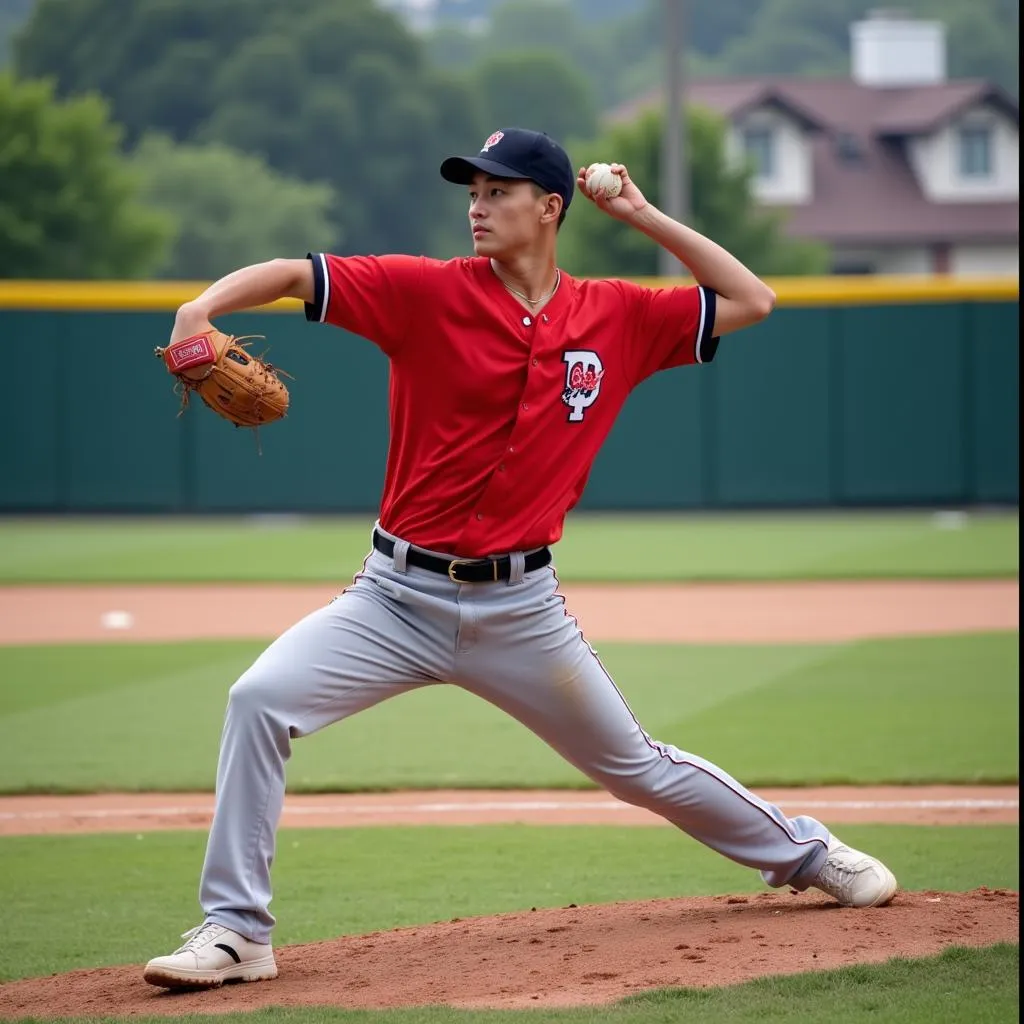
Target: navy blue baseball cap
517, 153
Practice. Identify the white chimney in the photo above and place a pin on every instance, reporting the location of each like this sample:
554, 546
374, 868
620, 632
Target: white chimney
891, 48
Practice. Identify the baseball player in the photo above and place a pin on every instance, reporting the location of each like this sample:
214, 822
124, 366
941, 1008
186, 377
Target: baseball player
506, 375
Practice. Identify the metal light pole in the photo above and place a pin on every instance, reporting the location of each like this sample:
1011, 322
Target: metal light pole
674, 172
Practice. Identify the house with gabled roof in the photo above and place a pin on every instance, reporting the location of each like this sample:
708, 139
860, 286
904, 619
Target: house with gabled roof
897, 169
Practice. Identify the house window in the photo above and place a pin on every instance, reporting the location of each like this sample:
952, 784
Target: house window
848, 149
975, 151
759, 145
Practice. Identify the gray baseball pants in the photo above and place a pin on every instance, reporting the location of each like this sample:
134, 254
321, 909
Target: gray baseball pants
512, 643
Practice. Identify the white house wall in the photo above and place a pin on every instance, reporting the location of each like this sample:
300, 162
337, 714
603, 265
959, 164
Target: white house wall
916, 260
899, 259
936, 162
792, 182
911, 259
985, 260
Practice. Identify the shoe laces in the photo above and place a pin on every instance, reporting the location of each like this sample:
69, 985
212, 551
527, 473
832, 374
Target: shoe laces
196, 937
841, 869
836, 875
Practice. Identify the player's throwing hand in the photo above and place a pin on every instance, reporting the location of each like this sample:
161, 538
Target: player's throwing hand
629, 201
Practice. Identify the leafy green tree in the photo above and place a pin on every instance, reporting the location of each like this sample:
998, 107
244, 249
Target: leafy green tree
799, 37
334, 91
476, 10
68, 206
525, 24
594, 244
230, 207
778, 48
599, 48
829, 22
708, 26
139, 55
536, 89
452, 46
983, 39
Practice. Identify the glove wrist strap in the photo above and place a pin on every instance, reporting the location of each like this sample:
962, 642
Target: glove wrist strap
190, 353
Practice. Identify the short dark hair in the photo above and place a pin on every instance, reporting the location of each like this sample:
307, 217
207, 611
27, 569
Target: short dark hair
540, 190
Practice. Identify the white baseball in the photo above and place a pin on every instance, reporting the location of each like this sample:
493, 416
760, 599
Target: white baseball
602, 176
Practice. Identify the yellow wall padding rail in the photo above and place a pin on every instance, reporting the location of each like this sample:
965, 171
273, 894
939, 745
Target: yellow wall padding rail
791, 291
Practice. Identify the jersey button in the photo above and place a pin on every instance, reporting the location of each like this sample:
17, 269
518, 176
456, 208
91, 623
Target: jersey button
527, 321
535, 362
512, 449
501, 468
479, 515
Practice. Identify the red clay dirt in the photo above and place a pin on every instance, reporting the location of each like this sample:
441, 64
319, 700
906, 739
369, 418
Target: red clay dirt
559, 957
552, 957
833, 805
689, 613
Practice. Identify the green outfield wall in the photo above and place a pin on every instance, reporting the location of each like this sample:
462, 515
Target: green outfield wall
859, 392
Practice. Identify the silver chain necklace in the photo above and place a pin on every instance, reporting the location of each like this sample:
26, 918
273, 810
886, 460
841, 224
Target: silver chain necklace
526, 298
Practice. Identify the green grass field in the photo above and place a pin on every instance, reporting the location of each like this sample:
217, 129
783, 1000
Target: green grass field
595, 547
91, 899
148, 716
141, 716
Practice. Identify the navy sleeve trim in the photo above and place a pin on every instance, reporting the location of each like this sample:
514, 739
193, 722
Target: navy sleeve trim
317, 309
706, 345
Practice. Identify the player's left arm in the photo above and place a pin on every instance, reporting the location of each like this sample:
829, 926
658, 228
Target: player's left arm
742, 297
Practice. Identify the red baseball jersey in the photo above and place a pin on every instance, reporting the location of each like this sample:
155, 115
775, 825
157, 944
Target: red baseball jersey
496, 413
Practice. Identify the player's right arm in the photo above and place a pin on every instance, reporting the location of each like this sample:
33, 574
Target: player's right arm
372, 296
246, 288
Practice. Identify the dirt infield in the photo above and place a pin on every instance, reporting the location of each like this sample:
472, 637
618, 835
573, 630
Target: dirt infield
834, 805
565, 956
549, 957
650, 613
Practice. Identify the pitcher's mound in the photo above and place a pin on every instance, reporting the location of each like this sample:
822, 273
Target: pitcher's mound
560, 957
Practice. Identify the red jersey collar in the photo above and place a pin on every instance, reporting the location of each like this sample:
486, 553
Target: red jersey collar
492, 284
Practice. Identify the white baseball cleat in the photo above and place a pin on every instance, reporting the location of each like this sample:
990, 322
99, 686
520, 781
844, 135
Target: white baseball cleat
855, 879
212, 955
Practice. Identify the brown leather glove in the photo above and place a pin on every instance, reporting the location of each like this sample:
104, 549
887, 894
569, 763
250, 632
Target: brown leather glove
231, 381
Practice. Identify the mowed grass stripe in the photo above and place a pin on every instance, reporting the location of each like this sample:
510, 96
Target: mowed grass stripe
140, 717
594, 548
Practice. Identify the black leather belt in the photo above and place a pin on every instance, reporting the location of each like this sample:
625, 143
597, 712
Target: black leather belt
464, 570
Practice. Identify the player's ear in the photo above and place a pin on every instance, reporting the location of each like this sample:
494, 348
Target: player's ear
552, 209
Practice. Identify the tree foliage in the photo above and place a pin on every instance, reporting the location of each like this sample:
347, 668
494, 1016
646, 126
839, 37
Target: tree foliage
721, 207
340, 93
230, 207
538, 89
592, 46
476, 10
623, 56
68, 206
809, 37
325, 90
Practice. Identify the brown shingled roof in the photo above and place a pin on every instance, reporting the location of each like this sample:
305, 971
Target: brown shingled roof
924, 109
865, 191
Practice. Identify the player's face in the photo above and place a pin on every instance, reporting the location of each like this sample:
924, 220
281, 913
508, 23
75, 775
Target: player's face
504, 215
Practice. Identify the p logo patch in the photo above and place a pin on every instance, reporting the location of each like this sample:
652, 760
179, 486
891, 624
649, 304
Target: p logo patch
583, 373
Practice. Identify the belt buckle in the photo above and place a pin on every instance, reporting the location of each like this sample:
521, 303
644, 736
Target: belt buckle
452, 567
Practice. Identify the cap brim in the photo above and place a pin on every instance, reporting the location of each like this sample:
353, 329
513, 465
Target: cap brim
460, 170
